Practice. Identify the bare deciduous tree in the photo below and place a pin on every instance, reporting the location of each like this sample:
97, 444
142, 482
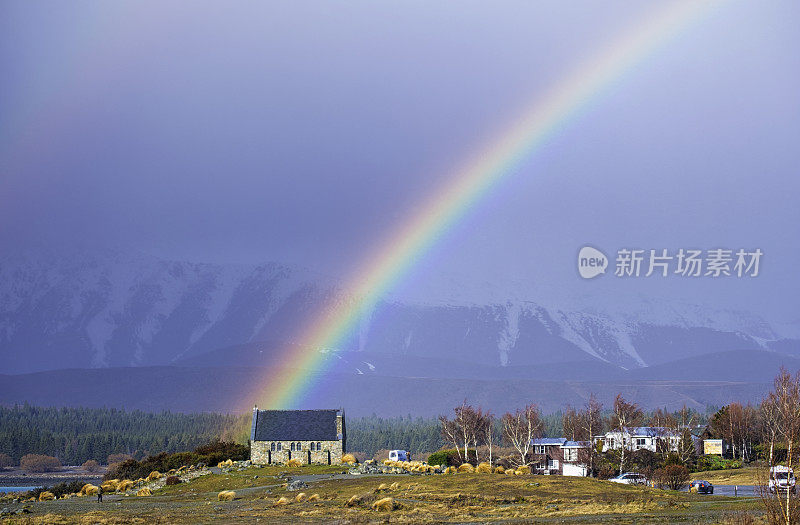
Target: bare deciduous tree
592, 424
624, 416
520, 428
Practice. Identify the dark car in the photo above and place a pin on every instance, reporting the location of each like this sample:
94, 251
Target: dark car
701, 487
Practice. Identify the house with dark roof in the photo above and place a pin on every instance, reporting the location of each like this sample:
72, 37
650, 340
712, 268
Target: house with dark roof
309, 436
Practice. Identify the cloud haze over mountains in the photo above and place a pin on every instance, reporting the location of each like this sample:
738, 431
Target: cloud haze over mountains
244, 163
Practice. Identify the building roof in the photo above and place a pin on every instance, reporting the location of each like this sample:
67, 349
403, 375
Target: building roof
294, 425
575, 444
548, 441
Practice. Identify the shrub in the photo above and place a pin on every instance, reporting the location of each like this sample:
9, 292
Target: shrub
173, 480
39, 463
712, 462
6, 461
91, 466
673, 477
452, 458
118, 458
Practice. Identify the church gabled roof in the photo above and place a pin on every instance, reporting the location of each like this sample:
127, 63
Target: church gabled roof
294, 425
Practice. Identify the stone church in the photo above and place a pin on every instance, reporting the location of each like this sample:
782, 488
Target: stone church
310, 436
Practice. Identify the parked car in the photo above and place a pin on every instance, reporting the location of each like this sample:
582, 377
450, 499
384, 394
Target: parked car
630, 478
701, 486
781, 479
400, 455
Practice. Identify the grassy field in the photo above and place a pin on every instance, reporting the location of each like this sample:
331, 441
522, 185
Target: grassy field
739, 476
418, 499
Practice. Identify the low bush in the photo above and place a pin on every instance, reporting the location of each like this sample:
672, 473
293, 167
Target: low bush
58, 490
673, 477
210, 454
452, 458
173, 480
712, 462
39, 463
91, 466
6, 461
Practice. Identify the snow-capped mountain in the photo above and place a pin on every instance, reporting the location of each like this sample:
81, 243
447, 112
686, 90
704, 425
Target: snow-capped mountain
111, 308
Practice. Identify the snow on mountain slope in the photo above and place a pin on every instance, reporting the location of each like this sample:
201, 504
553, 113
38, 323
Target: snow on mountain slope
115, 308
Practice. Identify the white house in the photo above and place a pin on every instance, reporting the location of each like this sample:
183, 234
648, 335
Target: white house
637, 438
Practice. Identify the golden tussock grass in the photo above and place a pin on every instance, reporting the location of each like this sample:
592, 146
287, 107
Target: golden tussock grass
523, 469
314, 497
382, 487
89, 490
144, 491
124, 485
385, 505
300, 497
293, 463
483, 468
46, 496
154, 475
499, 469
226, 495
283, 500
466, 468
354, 501
349, 459
394, 486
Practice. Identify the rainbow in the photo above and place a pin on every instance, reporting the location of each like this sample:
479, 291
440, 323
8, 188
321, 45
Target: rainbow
303, 365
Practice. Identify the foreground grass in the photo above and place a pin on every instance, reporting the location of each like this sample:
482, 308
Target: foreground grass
421, 499
738, 476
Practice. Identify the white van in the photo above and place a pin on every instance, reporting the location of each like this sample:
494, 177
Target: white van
781, 479
400, 455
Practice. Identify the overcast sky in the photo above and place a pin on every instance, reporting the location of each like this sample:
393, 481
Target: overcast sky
306, 132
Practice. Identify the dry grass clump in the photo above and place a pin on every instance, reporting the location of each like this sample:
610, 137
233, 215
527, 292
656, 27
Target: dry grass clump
394, 486
466, 468
499, 469
354, 501
450, 470
314, 497
383, 487
385, 505
226, 495
300, 497
154, 476
292, 463
124, 485
283, 500
144, 491
110, 485
88, 490
226, 463
483, 468
523, 470
349, 459
46, 496
510, 472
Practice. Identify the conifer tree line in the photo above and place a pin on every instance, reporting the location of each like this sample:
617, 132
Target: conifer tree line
76, 435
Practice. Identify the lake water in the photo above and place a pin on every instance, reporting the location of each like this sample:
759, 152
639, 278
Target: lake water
18, 489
